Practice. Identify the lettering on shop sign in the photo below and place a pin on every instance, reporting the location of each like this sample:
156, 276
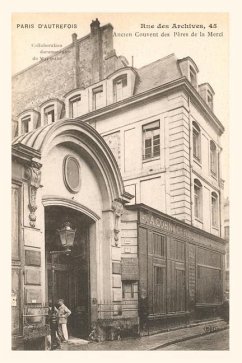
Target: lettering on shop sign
172, 227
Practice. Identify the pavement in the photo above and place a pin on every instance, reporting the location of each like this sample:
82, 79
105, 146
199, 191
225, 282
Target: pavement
151, 342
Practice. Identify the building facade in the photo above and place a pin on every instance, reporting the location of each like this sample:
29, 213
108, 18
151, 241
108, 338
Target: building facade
226, 237
132, 158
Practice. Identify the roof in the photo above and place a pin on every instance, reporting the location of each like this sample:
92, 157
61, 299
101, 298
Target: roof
157, 73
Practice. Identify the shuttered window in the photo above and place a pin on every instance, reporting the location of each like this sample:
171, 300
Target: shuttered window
158, 245
119, 85
159, 290
97, 98
49, 114
75, 106
180, 290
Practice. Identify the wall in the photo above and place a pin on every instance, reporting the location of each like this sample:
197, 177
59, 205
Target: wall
129, 264
201, 170
168, 175
52, 180
84, 62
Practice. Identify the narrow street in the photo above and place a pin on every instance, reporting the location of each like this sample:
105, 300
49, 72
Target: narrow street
213, 341
195, 338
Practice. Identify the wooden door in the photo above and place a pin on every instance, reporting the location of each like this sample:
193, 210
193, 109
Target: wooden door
79, 300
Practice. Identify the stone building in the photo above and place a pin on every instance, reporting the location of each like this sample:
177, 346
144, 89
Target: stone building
131, 157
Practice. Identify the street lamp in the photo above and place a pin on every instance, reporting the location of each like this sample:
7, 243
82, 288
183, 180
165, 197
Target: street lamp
67, 236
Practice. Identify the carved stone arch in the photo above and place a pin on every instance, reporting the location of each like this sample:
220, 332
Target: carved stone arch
89, 143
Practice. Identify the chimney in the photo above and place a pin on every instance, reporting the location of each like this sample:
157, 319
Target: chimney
97, 51
74, 37
76, 59
95, 25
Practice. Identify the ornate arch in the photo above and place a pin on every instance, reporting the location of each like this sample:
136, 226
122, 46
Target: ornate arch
89, 143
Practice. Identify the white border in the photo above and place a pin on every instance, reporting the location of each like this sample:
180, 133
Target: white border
234, 10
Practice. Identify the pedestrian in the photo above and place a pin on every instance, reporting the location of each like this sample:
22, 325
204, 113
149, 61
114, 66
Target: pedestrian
56, 343
62, 315
143, 312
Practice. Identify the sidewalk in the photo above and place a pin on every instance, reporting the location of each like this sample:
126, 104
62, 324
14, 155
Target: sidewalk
151, 342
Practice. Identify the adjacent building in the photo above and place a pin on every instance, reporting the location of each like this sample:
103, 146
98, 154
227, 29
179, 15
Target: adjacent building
226, 237
131, 157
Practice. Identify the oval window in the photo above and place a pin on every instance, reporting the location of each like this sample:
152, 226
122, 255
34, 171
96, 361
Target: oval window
72, 177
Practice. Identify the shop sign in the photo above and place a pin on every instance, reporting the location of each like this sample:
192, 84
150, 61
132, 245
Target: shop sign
173, 228
129, 269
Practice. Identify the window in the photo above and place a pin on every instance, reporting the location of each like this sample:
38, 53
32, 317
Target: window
75, 106
97, 97
210, 99
193, 77
213, 158
226, 232
72, 179
209, 285
197, 199
214, 202
119, 85
196, 139
128, 289
151, 140
49, 114
25, 122
158, 245
227, 259
180, 290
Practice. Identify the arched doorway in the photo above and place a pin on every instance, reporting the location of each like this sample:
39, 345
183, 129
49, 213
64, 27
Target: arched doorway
72, 272
94, 199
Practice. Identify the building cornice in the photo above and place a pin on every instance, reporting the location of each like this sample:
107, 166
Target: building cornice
155, 92
146, 208
25, 154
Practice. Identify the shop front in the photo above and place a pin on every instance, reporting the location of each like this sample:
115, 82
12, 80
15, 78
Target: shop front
181, 270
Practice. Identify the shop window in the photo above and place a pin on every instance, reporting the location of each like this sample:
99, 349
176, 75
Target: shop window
25, 124
196, 138
213, 158
75, 106
158, 245
97, 97
209, 285
179, 251
119, 85
214, 202
197, 199
193, 77
159, 289
128, 288
49, 114
151, 140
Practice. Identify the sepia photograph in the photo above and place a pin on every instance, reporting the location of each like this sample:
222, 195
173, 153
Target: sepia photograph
120, 197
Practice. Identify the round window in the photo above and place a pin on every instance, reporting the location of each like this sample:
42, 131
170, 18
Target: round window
72, 177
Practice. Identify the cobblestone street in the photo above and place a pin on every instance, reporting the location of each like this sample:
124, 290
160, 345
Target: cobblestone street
213, 341
165, 341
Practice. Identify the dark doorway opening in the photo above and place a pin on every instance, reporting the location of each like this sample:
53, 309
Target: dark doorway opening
72, 282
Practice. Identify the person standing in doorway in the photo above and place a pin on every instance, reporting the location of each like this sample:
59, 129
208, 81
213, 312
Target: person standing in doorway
63, 313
